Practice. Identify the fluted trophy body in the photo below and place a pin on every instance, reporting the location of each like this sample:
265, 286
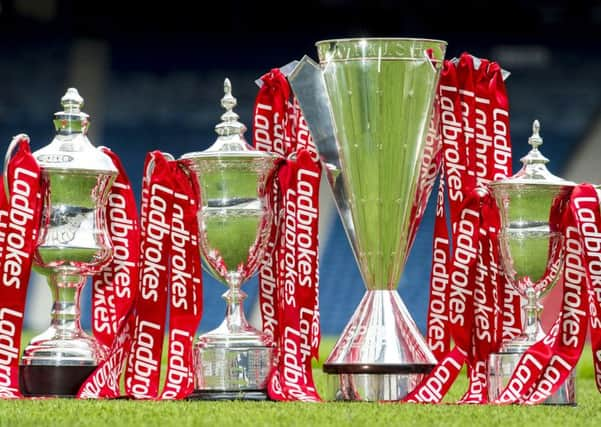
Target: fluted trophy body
369, 106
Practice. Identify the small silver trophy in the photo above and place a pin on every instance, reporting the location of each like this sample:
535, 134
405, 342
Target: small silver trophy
234, 360
531, 248
368, 105
73, 244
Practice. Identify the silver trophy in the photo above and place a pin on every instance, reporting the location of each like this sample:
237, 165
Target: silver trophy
531, 249
234, 360
368, 105
73, 244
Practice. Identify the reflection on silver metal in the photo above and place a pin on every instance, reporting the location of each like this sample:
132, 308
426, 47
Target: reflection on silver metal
73, 240
501, 366
235, 221
368, 106
531, 248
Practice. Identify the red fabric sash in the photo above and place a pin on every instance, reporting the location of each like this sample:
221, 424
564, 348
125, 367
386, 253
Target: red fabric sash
474, 128
19, 222
170, 274
115, 288
289, 281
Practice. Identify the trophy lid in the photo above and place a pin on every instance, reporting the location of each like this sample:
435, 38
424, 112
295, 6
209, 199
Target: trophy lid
534, 167
71, 149
230, 143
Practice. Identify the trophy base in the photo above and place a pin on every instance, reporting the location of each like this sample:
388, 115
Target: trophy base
380, 355
256, 395
232, 365
500, 368
52, 381
376, 382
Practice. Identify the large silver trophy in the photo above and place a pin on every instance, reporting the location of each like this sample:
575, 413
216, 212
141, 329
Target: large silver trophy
73, 244
531, 247
368, 105
234, 360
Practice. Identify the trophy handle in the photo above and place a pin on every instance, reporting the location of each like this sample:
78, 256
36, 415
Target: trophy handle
150, 167
9, 153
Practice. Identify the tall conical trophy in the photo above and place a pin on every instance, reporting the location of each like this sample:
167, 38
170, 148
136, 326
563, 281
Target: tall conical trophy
368, 105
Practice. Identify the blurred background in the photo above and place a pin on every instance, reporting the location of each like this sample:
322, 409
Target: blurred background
152, 77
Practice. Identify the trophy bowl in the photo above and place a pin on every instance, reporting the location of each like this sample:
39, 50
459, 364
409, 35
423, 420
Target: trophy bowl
73, 243
531, 248
232, 361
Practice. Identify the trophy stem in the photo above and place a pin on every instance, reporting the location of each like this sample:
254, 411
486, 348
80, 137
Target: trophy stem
235, 318
532, 309
532, 330
65, 316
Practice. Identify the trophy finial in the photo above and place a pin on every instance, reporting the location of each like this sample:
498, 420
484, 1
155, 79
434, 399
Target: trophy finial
535, 139
229, 120
534, 156
72, 101
228, 101
71, 120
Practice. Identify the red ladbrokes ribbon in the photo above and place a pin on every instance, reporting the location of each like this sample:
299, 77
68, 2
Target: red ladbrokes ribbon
19, 222
169, 264
143, 370
289, 280
474, 127
298, 336
545, 365
454, 168
115, 288
185, 286
469, 304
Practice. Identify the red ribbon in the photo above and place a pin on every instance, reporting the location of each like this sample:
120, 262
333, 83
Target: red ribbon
185, 286
471, 103
169, 259
142, 376
115, 288
289, 281
19, 222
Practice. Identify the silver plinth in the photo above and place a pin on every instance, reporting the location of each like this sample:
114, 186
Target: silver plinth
73, 244
368, 105
531, 248
234, 360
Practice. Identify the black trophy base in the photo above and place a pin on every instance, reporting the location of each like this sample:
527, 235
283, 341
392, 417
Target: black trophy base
378, 368
253, 395
372, 382
52, 381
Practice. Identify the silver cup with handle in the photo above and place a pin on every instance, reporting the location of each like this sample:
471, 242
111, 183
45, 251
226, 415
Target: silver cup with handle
73, 244
532, 255
233, 360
